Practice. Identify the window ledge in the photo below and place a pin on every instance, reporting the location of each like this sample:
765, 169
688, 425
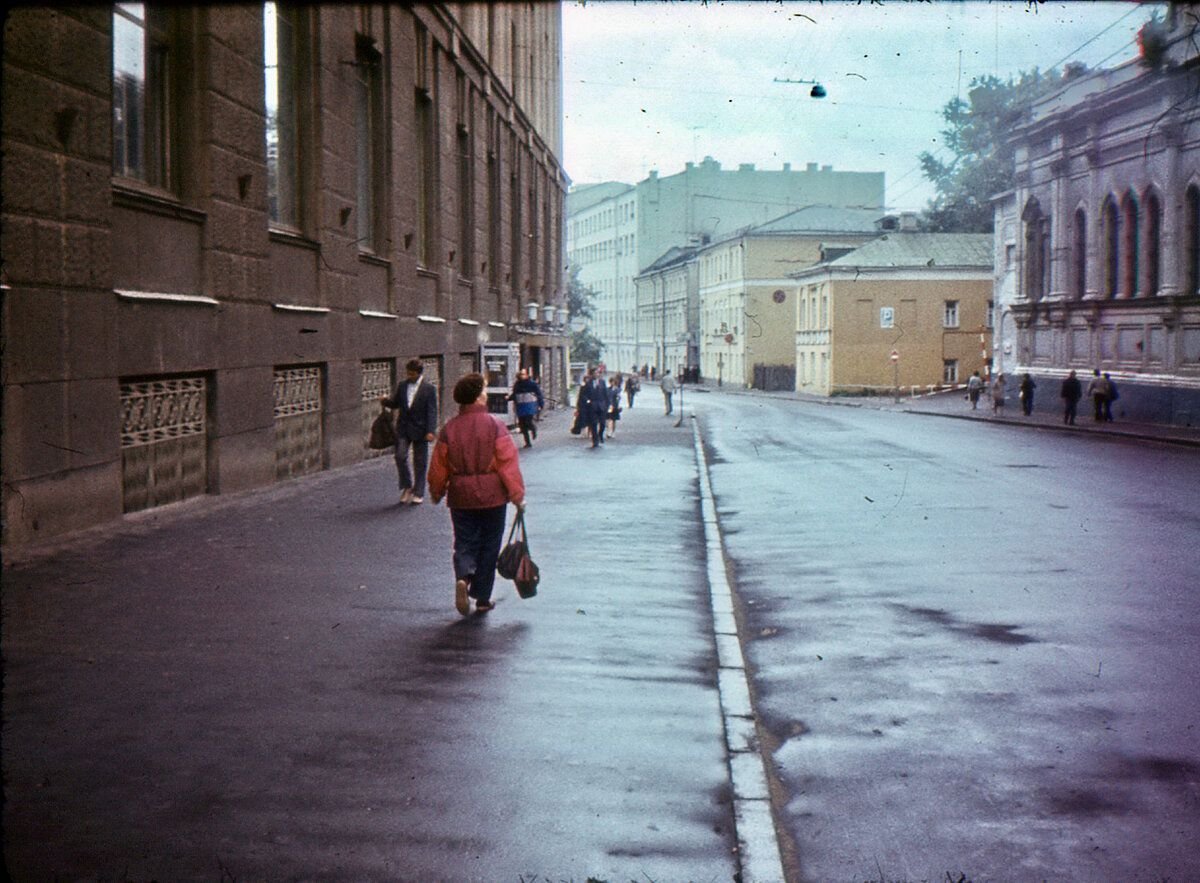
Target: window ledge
298, 308
426, 272
497, 324
375, 260
435, 319
140, 197
467, 322
376, 314
166, 297
292, 237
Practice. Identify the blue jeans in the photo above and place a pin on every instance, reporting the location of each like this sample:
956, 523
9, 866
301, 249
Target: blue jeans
420, 464
478, 535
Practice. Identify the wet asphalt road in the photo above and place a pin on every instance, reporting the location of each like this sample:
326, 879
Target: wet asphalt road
976, 647
277, 687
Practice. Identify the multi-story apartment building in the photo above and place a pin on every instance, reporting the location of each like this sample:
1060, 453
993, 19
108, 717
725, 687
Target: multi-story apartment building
613, 238
907, 309
1098, 244
668, 311
224, 226
747, 311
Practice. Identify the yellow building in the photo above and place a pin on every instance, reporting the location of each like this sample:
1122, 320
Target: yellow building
746, 305
907, 309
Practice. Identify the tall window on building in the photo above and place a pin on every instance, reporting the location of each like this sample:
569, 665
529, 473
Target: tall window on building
1129, 245
425, 155
466, 181
1191, 241
1079, 255
950, 371
370, 141
282, 39
1111, 235
1037, 246
517, 234
950, 314
142, 93
1150, 244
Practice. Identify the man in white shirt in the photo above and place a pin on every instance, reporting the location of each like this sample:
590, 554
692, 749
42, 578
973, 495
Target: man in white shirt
415, 402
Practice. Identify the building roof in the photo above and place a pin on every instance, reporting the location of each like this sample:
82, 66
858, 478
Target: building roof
823, 219
582, 197
676, 254
913, 250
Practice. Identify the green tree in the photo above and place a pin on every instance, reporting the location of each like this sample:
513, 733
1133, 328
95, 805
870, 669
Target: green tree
982, 157
585, 346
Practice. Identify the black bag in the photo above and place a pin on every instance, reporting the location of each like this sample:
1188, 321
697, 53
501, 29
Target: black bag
383, 434
515, 562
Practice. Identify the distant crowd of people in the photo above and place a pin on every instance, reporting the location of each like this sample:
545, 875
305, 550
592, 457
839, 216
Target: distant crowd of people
598, 402
1102, 390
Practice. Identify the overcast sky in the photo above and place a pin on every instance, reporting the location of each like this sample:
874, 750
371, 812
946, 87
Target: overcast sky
651, 85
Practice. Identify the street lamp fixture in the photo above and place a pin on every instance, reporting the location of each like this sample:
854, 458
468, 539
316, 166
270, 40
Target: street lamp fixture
548, 313
531, 310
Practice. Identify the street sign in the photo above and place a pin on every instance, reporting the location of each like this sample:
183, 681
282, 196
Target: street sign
895, 355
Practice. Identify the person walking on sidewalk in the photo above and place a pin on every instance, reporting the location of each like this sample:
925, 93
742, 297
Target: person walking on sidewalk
593, 406
668, 390
1098, 392
614, 405
998, 394
1027, 388
1112, 396
416, 405
974, 388
1071, 393
475, 468
632, 387
528, 401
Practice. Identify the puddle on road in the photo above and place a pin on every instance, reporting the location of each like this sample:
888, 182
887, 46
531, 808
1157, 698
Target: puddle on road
997, 633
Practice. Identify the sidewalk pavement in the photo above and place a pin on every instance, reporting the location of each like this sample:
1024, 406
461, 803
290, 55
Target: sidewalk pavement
276, 686
953, 404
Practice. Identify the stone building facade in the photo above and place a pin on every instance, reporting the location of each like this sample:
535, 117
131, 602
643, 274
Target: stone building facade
225, 228
614, 238
926, 297
1098, 244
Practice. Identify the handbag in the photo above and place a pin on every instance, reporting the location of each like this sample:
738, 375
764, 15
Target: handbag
383, 434
514, 561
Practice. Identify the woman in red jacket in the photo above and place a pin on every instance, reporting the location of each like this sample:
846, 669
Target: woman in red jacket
475, 467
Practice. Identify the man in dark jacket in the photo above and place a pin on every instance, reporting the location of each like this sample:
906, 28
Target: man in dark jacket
527, 398
415, 402
1071, 393
593, 406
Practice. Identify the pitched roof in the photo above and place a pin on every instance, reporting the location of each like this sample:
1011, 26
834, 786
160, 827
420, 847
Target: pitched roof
911, 249
823, 219
676, 254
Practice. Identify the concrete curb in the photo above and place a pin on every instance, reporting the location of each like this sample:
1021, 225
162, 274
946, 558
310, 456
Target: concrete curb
758, 843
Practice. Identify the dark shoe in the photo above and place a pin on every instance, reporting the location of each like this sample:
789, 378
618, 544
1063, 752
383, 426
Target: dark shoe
461, 602
483, 606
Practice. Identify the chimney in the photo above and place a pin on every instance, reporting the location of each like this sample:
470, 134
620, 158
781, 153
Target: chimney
746, 167
787, 166
908, 221
826, 168
811, 167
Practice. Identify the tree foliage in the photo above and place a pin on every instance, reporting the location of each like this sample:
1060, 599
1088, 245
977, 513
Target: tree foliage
982, 157
585, 346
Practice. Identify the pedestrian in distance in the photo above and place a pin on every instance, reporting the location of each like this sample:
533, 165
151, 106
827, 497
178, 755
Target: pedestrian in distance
528, 402
614, 404
632, 387
475, 467
668, 386
593, 406
1112, 396
998, 394
1026, 392
1071, 393
974, 388
1098, 392
416, 406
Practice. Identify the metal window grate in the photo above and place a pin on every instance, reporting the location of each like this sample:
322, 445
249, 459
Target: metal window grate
376, 383
163, 441
298, 417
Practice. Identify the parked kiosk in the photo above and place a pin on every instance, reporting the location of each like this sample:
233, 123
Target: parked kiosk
500, 363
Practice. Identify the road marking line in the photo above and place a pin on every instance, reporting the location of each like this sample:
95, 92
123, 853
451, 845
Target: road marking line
758, 845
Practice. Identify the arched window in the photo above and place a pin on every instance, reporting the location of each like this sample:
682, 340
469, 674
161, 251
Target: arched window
1150, 244
1037, 241
1129, 245
1111, 233
1191, 241
1079, 255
